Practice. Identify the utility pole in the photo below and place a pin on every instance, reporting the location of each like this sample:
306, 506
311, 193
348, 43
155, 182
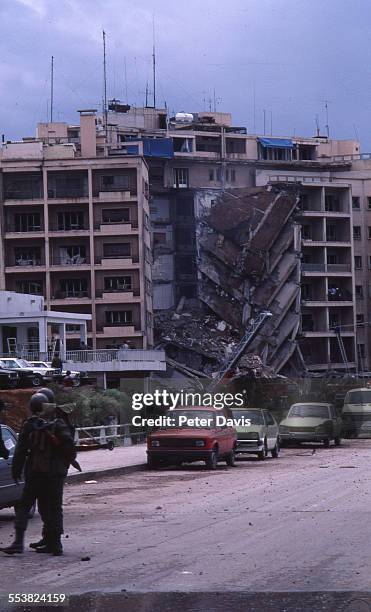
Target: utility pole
51, 89
105, 82
154, 64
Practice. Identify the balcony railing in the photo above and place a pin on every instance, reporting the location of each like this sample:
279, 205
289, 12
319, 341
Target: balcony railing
75, 260
108, 355
73, 227
133, 258
99, 225
67, 192
135, 291
320, 267
62, 295
31, 228
23, 261
33, 193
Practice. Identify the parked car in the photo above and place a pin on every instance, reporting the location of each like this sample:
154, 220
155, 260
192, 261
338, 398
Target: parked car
356, 413
8, 378
312, 422
10, 492
259, 438
41, 367
27, 377
58, 376
187, 442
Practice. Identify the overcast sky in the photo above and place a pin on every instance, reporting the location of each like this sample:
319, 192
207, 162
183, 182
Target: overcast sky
289, 55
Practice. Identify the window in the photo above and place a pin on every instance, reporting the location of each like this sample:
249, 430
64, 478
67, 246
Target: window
307, 323
275, 153
27, 222
72, 255
70, 220
29, 287
119, 317
306, 232
180, 178
306, 292
219, 174
27, 256
358, 262
183, 145
269, 418
211, 174
369, 202
356, 204
332, 259
233, 176
332, 203
361, 349
369, 232
359, 292
334, 320
118, 283
116, 215
356, 232
74, 287
8, 440
369, 262
360, 318
117, 249
72, 329
159, 238
114, 182
331, 233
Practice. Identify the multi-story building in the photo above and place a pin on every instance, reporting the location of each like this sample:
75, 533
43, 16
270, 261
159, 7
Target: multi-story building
75, 229
188, 160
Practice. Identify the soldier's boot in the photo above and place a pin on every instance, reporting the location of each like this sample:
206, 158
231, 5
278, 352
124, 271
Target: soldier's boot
53, 546
38, 544
17, 546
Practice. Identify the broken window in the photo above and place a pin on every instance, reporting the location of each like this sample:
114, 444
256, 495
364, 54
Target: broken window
356, 232
356, 204
117, 249
29, 222
72, 255
180, 178
358, 262
119, 317
118, 283
116, 215
70, 220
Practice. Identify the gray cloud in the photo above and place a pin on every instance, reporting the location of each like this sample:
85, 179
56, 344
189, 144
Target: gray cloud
293, 54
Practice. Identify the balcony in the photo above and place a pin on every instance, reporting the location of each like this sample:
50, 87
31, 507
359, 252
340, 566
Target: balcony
69, 230
112, 360
116, 229
122, 296
67, 193
70, 295
12, 231
117, 262
119, 330
75, 261
332, 269
34, 192
22, 264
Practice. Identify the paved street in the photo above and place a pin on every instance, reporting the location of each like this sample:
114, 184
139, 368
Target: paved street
299, 523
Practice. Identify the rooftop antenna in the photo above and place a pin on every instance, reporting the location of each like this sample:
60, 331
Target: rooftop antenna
217, 101
105, 82
126, 82
147, 94
327, 124
317, 124
154, 62
51, 89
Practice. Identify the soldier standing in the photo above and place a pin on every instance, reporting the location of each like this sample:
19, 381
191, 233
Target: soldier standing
44, 450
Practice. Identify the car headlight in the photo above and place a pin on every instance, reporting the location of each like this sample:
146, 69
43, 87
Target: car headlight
199, 442
155, 443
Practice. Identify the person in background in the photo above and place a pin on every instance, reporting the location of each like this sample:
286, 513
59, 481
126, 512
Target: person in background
57, 363
68, 380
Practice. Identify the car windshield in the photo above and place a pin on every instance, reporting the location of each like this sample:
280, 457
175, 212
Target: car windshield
358, 397
309, 410
23, 363
255, 416
191, 415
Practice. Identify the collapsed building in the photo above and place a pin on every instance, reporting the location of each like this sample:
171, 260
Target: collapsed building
248, 260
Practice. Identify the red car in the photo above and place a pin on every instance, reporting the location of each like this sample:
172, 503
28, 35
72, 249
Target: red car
192, 434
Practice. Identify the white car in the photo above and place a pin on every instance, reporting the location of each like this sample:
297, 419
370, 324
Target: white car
42, 368
43, 365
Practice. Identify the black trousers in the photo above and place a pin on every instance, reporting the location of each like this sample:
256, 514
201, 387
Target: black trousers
48, 491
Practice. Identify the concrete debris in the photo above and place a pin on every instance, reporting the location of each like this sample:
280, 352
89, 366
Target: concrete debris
247, 261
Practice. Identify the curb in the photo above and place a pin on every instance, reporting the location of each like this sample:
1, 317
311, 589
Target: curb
95, 475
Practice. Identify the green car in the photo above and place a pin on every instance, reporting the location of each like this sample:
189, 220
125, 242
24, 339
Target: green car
259, 434
311, 422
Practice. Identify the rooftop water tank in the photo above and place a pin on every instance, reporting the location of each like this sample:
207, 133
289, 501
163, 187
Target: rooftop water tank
184, 117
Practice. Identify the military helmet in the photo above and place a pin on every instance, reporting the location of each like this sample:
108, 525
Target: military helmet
49, 394
37, 402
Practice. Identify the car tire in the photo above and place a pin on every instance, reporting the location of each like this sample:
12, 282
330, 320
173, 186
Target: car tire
275, 451
231, 459
263, 453
337, 441
110, 445
37, 380
152, 463
76, 382
326, 443
212, 461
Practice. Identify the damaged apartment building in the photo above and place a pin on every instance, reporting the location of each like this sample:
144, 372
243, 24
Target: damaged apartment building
240, 223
